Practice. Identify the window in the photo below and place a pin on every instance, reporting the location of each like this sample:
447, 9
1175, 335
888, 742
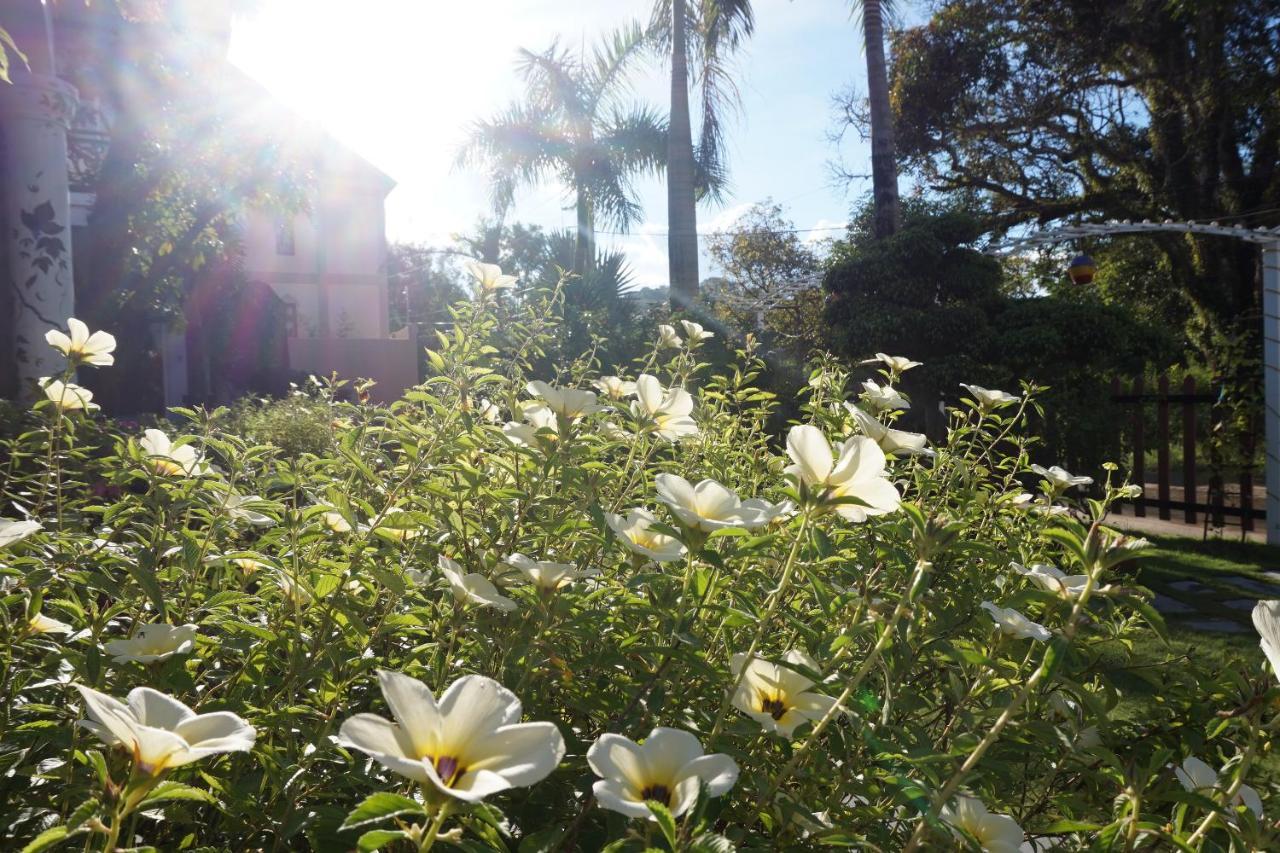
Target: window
284, 237
291, 319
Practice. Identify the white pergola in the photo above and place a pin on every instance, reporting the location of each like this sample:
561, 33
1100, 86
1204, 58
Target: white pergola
1269, 242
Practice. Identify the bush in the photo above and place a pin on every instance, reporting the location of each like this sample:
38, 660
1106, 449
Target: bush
851, 650
296, 424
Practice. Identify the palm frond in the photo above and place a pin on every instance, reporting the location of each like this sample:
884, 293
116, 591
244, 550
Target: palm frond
555, 79
615, 52
517, 148
635, 140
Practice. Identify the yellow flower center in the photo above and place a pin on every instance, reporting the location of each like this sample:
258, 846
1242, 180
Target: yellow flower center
168, 467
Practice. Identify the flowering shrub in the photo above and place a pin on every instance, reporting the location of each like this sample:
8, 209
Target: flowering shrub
512, 613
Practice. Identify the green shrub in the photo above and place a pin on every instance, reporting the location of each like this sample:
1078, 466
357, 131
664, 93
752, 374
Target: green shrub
296, 424
851, 645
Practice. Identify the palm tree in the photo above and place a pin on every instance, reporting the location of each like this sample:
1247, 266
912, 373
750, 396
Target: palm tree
708, 31
572, 126
884, 167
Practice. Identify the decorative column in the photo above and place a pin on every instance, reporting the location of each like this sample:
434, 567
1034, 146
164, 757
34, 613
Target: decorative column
35, 113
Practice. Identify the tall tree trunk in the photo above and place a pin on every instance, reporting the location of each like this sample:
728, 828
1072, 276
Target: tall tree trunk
682, 214
584, 249
884, 168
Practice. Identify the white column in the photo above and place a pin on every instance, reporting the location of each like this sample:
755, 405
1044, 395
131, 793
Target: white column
1271, 367
35, 112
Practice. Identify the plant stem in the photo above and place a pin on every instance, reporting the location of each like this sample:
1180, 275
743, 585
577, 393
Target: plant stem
771, 610
953, 784
433, 831
1228, 795
904, 604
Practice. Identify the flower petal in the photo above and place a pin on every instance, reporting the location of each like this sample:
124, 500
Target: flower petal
414, 706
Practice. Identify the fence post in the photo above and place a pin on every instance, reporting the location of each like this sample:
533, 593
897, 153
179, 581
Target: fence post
1246, 502
1139, 452
1189, 449
1162, 449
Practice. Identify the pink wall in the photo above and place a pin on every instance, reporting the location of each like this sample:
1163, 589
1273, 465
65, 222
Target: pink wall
393, 363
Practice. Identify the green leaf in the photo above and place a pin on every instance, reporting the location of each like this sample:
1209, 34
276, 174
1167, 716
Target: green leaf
145, 574
666, 822
169, 790
379, 806
51, 837
83, 812
376, 838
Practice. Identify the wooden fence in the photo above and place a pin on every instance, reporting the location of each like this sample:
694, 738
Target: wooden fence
1183, 498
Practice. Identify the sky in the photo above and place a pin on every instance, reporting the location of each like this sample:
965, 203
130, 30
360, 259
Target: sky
400, 81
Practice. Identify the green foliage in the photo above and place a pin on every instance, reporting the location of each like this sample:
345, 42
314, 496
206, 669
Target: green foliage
325, 570
295, 424
929, 291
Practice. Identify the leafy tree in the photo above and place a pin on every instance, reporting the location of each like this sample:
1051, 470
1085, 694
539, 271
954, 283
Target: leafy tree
928, 292
573, 127
706, 32
762, 258
1129, 110
173, 186
422, 283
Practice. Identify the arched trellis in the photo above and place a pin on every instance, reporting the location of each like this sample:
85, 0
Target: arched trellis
1269, 242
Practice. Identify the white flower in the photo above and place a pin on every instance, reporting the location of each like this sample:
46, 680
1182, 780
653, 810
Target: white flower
474, 588
1014, 623
996, 833
153, 643
895, 363
161, 732
335, 521
81, 347
1195, 775
14, 531
667, 337
859, 472
710, 506
248, 565
668, 409
165, 458
1198, 777
548, 576
538, 417
669, 767
67, 397
468, 744
240, 508
1266, 620
633, 531
615, 388
891, 441
41, 624
883, 398
988, 399
489, 277
1022, 501
568, 403
1060, 479
293, 589
488, 411
777, 697
1052, 579
694, 332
